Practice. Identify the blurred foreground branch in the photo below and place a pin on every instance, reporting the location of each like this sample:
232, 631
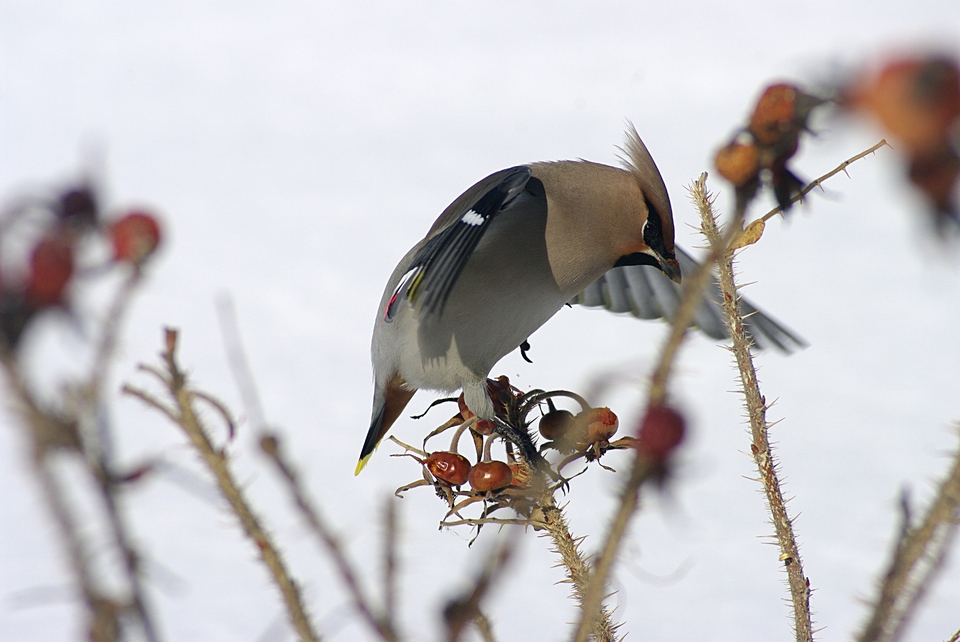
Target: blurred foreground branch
78, 431
917, 557
183, 414
384, 625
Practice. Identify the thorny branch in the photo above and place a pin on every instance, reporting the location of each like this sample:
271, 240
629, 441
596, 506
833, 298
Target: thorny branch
756, 410
384, 626
641, 470
917, 557
81, 429
185, 416
465, 610
818, 182
693, 286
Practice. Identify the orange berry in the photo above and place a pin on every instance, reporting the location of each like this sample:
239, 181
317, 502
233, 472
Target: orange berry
739, 162
917, 100
450, 467
490, 475
135, 236
775, 114
601, 424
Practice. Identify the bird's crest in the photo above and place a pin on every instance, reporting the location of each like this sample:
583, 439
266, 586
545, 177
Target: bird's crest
639, 162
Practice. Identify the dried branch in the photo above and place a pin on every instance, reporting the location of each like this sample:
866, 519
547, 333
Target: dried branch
842, 167
81, 430
754, 230
579, 573
384, 626
390, 536
917, 557
459, 613
641, 470
756, 409
185, 416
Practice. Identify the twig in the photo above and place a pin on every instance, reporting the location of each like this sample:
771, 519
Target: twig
756, 409
842, 167
48, 433
955, 637
185, 416
390, 536
239, 367
111, 333
693, 286
383, 626
917, 557
98, 445
465, 610
486, 631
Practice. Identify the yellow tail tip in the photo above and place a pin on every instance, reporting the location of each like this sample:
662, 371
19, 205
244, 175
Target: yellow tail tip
360, 464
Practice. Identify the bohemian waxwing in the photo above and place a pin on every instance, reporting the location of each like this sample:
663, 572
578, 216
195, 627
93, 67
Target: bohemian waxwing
511, 251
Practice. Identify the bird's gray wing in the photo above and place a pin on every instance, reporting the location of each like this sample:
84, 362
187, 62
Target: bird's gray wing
646, 293
439, 262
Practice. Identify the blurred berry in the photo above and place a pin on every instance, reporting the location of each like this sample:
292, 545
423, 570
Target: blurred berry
661, 431
739, 161
917, 101
51, 266
134, 236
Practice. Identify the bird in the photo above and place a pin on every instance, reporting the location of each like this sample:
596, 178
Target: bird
508, 254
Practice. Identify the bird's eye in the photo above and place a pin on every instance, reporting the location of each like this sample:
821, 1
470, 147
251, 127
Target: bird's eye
650, 232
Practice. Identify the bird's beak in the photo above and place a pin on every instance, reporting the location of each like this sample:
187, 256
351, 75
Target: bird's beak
671, 268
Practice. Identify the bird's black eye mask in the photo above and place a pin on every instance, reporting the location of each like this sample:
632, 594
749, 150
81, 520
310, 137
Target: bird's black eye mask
653, 237
653, 232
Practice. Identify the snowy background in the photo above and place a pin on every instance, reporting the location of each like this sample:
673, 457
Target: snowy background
296, 150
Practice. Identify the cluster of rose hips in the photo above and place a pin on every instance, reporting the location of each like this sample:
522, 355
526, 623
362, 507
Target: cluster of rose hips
760, 149
516, 481
56, 228
916, 99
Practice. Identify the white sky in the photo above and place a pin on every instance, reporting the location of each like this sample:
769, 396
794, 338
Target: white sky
296, 150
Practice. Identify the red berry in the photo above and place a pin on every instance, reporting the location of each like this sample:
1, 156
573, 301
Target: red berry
601, 424
484, 427
450, 467
661, 431
135, 237
556, 424
490, 475
51, 266
464, 411
500, 392
775, 114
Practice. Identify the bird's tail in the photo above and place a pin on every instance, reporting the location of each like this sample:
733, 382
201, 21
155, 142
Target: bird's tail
386, 410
